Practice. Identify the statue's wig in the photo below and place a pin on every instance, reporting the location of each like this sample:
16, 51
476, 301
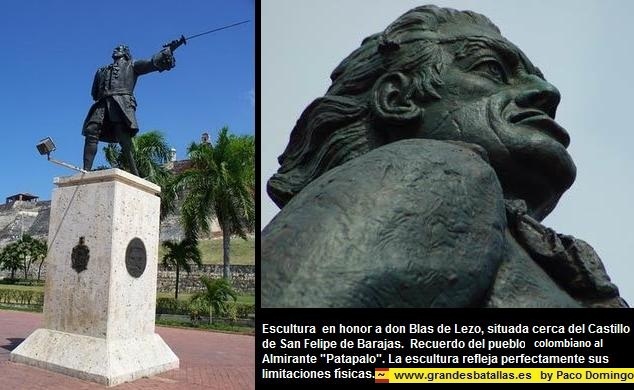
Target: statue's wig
334, 128
126, 51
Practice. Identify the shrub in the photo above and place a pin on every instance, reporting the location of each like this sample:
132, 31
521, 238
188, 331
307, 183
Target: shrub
39, 298
24, 297
166, 305
230, 312
240, 310
12, 296
21, 297
172, 306
196, 310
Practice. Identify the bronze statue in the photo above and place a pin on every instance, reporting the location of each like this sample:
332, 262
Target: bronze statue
421, 177
112, 118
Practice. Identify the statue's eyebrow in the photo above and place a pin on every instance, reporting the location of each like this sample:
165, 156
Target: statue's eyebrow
530, 68
472, 45
507, 52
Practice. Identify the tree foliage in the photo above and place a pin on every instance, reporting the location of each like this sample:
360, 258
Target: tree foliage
10, 258
217, 293
220, 184
179, 255
151, 153
21, 254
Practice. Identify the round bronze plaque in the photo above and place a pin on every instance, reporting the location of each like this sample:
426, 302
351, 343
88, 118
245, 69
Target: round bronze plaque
135, 257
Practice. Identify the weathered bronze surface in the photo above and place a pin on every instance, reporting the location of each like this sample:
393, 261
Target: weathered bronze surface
80, 256
135, 257
420, 179
112, 118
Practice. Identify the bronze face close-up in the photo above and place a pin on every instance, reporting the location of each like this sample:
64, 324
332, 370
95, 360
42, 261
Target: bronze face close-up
491, 95
421, 179
494, 97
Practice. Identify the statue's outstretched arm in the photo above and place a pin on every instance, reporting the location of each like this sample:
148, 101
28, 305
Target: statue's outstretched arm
163, 60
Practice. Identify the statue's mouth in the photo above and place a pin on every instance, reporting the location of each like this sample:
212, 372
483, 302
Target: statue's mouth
542, 121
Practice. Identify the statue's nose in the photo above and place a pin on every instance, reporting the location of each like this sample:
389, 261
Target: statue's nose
541, 95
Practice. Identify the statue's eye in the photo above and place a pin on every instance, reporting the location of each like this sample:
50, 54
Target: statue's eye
491, 69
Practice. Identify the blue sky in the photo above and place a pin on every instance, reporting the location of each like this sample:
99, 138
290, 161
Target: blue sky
51, 50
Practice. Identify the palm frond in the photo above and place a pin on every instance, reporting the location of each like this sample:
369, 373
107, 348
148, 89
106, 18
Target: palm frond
220, 184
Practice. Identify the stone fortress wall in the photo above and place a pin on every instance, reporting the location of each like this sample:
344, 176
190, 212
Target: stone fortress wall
30, 217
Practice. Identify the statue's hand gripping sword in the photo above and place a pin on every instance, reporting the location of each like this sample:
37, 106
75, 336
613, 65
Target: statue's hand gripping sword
175, 44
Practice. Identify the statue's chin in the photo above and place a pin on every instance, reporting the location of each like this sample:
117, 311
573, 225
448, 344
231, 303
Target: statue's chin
540, 180
541, 211
559, 177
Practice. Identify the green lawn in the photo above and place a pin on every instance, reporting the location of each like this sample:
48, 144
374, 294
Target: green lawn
249, 299
21, 287
222, 327
29, 308
242, 251
219, 327
181, 296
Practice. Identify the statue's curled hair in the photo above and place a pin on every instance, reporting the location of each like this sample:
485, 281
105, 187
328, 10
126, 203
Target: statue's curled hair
335, 128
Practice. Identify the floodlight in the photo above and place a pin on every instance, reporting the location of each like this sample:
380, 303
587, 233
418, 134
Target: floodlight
46, 146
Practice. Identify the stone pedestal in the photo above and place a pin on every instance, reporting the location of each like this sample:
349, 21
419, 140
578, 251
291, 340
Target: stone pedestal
100, 293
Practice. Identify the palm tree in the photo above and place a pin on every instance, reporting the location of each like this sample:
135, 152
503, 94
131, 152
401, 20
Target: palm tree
217, 293
179, 255
151, 153
39, 251
220, 183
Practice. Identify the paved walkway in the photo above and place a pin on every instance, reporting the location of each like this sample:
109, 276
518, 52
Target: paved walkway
208, 360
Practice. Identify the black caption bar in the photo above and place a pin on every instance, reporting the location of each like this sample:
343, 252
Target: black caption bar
348, 346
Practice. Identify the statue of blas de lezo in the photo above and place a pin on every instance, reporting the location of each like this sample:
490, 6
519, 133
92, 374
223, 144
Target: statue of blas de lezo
420, 179
112, 116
